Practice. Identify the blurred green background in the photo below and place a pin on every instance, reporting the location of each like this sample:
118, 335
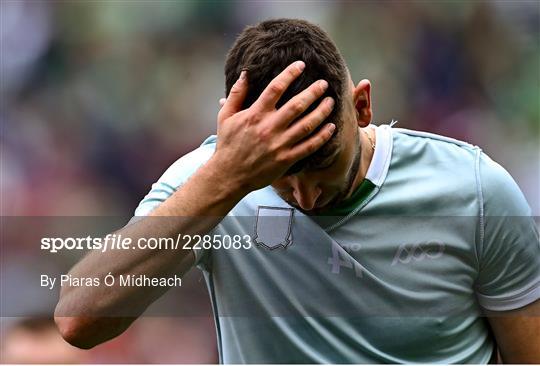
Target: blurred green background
98, 98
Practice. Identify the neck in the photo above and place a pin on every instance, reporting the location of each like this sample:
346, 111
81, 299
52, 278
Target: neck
366, 155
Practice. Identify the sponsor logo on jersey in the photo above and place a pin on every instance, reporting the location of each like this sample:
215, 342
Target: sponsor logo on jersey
408, 253
273, 227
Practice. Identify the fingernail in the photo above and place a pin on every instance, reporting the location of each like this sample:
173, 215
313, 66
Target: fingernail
330, 102
242, 75
300, 65
323, 84
331, 127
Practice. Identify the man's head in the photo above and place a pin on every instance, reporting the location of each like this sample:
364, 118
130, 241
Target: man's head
267, 48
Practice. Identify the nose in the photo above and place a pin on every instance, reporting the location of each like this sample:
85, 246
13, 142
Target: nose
306, 194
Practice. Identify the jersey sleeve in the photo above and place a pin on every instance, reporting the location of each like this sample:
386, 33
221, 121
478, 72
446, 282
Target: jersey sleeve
509, 252
173, 178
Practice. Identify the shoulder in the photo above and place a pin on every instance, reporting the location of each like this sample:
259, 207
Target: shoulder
501, 194
428, 153
186, 165
176, 175
429, 158
420, 141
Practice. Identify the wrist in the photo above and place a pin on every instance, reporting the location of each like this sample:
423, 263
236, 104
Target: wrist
228, 183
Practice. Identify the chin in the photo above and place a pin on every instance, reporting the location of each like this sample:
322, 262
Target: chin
315, 211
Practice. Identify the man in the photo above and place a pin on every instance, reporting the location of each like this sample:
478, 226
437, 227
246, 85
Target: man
354, 243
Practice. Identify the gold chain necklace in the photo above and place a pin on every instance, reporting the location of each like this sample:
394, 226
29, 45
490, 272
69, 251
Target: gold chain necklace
370, 140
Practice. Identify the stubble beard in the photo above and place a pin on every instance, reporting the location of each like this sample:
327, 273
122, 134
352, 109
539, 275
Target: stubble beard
347, 191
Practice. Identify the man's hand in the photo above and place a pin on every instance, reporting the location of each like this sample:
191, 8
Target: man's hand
257, 145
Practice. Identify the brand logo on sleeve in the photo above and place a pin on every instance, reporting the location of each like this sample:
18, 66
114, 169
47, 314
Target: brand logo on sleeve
273, 227
418, 252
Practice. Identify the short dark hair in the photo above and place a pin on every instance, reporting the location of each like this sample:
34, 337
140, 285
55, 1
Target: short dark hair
265, 49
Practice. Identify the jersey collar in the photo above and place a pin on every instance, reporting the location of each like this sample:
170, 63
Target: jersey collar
369, 187
378, 168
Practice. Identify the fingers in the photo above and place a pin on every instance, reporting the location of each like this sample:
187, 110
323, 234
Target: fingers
222, 102
302, 101
271, 94
305, 127
313, 143
234, 101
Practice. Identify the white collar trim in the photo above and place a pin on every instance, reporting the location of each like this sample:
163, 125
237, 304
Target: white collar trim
378, 168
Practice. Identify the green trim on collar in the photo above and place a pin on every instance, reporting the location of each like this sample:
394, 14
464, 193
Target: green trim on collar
356, 199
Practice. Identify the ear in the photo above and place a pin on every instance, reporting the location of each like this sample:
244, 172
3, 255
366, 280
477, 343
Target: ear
362, 102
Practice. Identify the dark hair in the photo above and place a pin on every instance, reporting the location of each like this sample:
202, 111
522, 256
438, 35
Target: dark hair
265, 49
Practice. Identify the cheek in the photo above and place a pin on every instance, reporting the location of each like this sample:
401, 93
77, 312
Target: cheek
337, 179
283, 190
280, 185
338, 175
333, 183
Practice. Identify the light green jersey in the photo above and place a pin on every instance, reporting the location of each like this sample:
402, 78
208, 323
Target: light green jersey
399, 274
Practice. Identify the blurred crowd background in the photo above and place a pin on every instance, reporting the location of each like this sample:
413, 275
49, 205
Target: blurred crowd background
98, 98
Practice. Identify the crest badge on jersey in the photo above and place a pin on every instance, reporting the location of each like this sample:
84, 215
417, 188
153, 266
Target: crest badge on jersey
273, 227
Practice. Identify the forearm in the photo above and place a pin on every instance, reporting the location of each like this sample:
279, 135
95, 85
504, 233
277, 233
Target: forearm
195, 208
255, 147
